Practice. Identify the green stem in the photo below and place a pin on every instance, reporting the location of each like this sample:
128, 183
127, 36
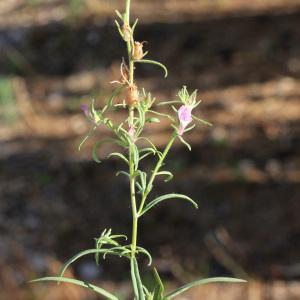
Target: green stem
156, 170
133, 202
127, 11
131, 153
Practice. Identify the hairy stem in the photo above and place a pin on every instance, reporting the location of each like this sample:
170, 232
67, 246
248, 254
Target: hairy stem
156, 170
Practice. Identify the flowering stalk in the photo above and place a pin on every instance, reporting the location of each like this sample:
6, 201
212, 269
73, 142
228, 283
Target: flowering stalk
139, 105
131, 154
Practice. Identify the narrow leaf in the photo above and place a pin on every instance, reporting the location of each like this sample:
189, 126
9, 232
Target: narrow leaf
152, 120
166, 197
92, 287
144, 251
166, 173
202, 121
115, 93
119, 14
86, 137
168, 102
98, 144
77, 256
159, 288
119, 28
123, 173
120, 155
134, 25
201, 282
136, 156
161, 114
184, 142
138, 279
133, 279
154, 62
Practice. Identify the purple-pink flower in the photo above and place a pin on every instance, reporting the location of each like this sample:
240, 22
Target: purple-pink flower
185, 117
85, 109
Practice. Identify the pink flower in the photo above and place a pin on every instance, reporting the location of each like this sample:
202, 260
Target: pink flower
185, 117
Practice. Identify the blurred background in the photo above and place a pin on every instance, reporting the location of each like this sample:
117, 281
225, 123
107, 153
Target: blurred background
243, 57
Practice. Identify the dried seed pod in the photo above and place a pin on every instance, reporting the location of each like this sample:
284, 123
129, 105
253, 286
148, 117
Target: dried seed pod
124, 72
132, 96
137, 51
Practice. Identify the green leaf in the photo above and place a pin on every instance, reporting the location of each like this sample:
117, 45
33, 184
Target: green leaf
152, 120
107, 238
77, 256
166, 197
184, 142
143, 179
123, 173
147, 151
139, 187
154, 62
167, 173
134, 25
168, 102
136, 156
119, 28
141, 116
119, 14
159, 288
201, 282
92, 287
161, 114
190, 128
86, 137
98, 144
202, 121
136, 278
115, 93
151, 144
83, 141
134, 281
145, 252
120, 155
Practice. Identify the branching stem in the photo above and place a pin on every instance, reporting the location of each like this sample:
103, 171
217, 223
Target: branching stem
156, 170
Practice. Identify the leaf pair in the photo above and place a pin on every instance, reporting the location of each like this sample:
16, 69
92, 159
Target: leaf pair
139, 287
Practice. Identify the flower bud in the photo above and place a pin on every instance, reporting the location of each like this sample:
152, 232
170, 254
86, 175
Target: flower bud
137, 52
132, 96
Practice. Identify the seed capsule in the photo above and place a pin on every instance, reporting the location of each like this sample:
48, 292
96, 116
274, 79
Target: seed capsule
132, 96
137, 52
